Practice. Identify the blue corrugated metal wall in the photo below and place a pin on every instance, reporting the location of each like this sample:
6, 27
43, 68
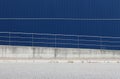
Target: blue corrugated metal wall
82, 9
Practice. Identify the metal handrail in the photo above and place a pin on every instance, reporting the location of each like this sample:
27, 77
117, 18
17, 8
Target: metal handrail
62, 35
62, 39
59, 39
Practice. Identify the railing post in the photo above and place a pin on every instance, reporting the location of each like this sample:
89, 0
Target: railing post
9, 41
9, 38
33, 46
32, 40
78, 42
55, 54
101, 48
79, 45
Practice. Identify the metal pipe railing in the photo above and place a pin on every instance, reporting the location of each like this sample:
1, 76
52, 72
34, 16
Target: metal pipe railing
59, 39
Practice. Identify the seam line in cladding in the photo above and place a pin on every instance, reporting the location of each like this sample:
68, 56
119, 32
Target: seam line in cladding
67, 19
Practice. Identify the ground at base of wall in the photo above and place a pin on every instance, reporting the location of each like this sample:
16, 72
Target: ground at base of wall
60, 60
59, 71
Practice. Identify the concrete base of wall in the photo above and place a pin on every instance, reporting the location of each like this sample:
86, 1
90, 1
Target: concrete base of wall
24, 52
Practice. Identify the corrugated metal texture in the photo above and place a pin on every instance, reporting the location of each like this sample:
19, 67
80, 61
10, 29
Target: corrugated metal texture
66, 9
60, 8
104, 28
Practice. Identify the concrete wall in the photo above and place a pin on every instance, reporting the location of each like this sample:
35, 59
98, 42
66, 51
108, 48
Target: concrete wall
45, 52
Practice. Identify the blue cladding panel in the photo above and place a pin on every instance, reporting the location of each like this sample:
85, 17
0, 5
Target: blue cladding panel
85, 9
60, 8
